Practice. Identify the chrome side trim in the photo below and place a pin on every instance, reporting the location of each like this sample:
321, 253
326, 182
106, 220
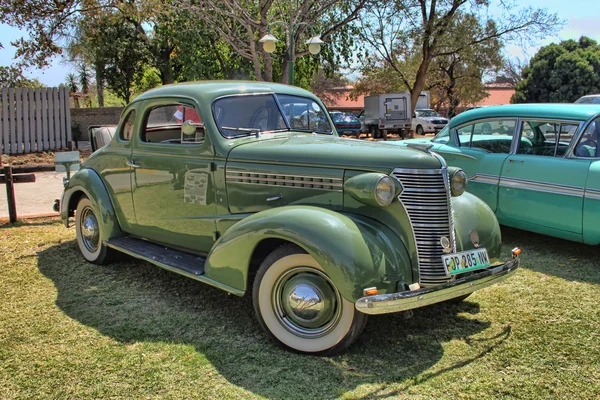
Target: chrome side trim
402, 301
485, 178
592, 194
458, 155
284, 180
544, 187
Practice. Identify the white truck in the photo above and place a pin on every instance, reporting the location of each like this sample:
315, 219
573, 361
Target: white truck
385, 113
389, 113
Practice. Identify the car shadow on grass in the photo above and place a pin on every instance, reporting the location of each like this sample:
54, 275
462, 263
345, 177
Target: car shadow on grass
553, 256
133, 301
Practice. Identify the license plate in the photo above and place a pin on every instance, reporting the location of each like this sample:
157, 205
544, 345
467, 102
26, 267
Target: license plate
465, 261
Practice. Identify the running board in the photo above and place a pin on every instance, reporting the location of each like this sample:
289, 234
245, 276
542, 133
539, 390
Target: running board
164, 257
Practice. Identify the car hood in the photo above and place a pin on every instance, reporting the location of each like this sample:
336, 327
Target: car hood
434, 119
332, 151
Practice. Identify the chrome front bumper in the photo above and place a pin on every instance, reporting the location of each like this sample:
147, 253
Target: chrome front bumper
402, 301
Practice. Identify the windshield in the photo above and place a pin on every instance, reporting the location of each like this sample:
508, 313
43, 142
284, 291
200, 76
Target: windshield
238, 116
427, 113
344, 117
443, 136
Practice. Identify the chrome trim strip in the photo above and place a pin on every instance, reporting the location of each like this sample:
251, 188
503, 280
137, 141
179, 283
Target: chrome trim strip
290, 187
402, 301
234, 179
592, 194
544, 187
233, 171
449, 197
485, 178
457, 155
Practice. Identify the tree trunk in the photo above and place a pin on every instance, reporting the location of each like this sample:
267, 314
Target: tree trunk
99, 71
164, 65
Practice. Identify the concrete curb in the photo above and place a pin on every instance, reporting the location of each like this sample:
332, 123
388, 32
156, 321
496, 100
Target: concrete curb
50, 215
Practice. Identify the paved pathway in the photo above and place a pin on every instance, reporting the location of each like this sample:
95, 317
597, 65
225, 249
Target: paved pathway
34, 198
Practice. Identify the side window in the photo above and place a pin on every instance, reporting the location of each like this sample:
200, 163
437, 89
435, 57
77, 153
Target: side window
588, 144
173, 123
127, 128
546, 138
494, 136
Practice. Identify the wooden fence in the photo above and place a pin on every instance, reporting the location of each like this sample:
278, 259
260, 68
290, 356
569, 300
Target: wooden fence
34, 120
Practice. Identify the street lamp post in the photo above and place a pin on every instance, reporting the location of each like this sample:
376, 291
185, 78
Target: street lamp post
268, 41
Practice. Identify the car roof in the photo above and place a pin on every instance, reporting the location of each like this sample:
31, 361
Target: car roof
210, 90
568, 111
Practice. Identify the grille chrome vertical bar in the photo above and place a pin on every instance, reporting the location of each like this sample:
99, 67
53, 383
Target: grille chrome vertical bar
426, 199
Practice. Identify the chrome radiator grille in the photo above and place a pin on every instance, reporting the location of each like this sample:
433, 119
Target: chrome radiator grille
426, 200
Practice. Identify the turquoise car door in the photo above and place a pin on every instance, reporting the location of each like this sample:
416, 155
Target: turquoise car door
481, 148
588, 148
540, 189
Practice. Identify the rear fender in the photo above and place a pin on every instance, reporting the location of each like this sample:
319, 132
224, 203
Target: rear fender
356, 252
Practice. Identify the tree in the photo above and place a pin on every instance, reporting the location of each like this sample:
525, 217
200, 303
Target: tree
242, 23
13, 77
561, 73
401, 32
71, 83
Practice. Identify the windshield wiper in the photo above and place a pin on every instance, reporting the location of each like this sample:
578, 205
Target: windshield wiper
250, 131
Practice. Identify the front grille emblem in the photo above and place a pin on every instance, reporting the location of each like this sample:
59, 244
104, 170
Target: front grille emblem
445, 242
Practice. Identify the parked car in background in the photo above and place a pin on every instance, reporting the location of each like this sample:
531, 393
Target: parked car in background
589, 99
259, 196
536, 165
427, 121
346, 123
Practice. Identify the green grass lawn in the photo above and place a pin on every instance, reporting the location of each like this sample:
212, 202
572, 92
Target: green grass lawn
69, 329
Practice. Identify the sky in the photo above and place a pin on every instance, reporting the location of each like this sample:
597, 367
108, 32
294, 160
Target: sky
582, 17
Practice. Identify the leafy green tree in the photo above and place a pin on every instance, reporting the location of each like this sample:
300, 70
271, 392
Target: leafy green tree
242, 23
561, 73
401, 32
12, 76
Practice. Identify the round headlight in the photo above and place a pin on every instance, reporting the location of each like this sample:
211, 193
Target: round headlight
384, 191
458, 184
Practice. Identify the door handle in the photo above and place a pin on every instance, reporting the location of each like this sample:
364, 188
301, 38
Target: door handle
132, 164
515, 161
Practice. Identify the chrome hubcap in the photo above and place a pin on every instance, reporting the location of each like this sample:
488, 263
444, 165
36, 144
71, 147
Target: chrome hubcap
306, 302
90, 233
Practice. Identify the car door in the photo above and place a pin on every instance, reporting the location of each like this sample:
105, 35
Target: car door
539, 187
116, 172
588, 148
173, 188
481, 148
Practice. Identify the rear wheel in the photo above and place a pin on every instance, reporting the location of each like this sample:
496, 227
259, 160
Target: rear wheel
88, 233
300, 307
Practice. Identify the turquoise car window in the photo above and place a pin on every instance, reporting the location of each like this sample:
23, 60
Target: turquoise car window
588, 144
543, 138
174, 124
127, 128
494, 136
443, 136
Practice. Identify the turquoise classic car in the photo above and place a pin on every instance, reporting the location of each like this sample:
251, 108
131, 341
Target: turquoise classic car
536, 165
246, 186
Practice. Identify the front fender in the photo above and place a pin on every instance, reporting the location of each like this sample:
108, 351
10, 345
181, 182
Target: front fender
87, 181
471, 213
356, 252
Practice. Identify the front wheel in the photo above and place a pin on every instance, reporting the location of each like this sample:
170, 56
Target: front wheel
419, 130
299, 306
88, 233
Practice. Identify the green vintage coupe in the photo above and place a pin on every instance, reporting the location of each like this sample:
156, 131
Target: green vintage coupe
536, 165
247, 187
